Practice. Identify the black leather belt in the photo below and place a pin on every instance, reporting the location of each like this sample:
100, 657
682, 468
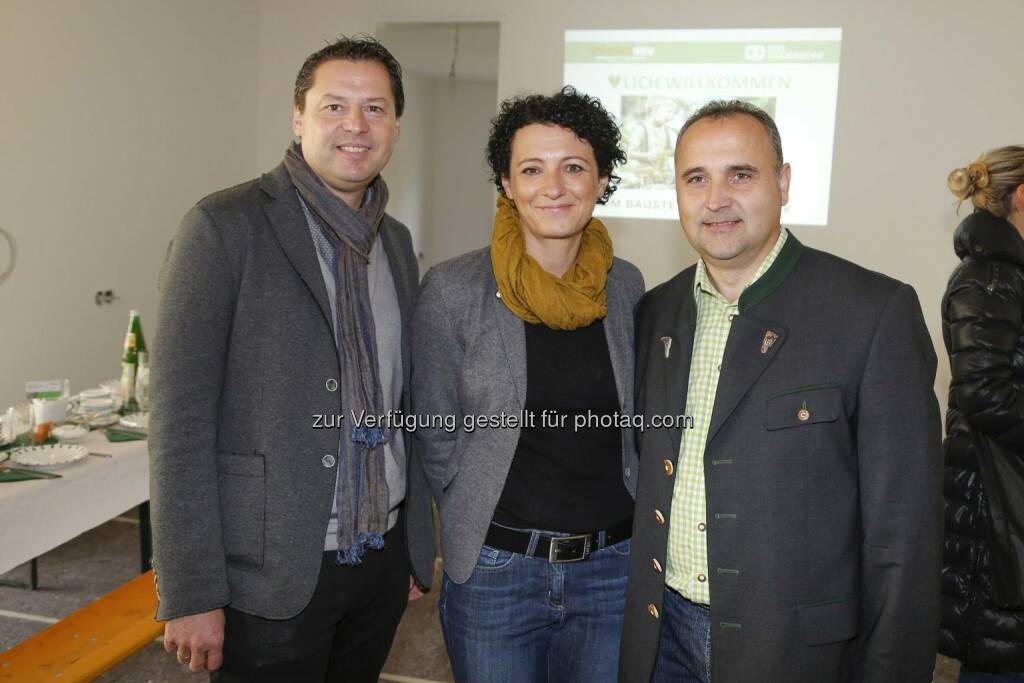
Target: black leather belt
558, 549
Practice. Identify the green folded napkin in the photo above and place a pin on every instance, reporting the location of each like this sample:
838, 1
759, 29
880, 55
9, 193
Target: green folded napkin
124, 435
7, 474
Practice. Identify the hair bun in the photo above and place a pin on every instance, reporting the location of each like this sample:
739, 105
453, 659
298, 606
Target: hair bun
960, 183
979, 175
991, 180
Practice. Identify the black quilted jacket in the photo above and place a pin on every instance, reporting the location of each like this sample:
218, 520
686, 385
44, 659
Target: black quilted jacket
983, 329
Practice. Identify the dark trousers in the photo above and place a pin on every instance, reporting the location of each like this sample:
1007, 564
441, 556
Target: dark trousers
342, 635
684, 649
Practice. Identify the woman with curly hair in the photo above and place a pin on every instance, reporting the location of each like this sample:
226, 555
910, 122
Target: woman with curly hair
528, 343
983, 329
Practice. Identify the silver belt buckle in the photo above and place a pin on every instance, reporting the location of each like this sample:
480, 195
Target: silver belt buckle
555, 542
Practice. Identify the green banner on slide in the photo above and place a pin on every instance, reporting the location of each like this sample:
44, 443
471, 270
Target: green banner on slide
745, 52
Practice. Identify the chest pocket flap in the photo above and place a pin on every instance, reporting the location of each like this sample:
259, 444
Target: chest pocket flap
804, 406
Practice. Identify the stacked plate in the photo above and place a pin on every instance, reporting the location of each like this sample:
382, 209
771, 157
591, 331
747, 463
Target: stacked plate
97, 407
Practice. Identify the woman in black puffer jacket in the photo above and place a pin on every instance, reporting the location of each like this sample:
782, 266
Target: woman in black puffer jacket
983, 329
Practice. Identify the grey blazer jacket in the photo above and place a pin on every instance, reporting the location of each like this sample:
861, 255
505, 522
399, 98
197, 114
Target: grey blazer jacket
241, 490
470, 359
823, 527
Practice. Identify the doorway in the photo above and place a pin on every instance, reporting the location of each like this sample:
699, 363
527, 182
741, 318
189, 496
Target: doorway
438, 176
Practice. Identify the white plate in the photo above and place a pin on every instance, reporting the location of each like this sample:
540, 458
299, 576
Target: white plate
49, 456
136, 421
69, 433
95, 393
105, 420
96, 405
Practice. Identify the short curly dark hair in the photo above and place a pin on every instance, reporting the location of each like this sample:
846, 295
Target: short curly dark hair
569, 109
358, 48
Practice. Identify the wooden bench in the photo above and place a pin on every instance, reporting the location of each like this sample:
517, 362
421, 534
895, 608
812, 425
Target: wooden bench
82, 645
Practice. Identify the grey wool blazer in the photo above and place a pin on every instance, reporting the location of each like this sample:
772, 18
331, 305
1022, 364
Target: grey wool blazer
469, 355
823, 476
241, 488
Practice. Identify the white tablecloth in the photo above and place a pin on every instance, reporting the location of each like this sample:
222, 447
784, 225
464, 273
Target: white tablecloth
39, 515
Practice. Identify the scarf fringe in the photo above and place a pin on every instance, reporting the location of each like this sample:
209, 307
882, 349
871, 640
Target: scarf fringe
369, 437
353, 555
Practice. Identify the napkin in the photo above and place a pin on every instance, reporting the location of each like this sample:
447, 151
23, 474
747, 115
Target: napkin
124, 435
7, 474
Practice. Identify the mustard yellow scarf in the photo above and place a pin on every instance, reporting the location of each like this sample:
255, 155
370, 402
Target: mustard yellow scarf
572, 301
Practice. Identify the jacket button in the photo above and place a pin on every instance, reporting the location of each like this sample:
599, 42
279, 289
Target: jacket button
803, 415
658, 517
652, 610
655, 565
328, 461
668, 467
331, 385
628, 473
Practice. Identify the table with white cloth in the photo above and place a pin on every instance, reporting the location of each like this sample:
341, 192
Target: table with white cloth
38, 515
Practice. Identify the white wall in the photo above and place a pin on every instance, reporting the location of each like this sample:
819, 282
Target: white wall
115, 117
408, 172
924, 86
437, 176
462, 196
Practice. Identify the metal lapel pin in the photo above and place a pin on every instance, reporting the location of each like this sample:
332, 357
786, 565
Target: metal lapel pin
769, 339
667, 343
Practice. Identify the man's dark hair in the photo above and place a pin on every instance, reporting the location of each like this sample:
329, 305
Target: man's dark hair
720, 109
359, 48
568, 109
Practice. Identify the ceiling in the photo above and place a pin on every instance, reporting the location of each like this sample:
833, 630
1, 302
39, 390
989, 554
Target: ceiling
425, 49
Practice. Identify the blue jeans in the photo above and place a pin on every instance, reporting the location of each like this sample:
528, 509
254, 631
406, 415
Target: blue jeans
982, 677
521, 619
684, 648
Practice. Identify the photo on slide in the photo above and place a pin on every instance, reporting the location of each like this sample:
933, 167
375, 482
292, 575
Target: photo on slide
650, 125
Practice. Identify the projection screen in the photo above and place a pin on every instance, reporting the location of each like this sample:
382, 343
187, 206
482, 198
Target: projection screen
651, 81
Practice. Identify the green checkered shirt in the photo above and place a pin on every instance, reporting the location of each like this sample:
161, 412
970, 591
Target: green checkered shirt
687, 567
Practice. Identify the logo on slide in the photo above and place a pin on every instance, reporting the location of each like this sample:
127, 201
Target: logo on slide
615, 80
754, 53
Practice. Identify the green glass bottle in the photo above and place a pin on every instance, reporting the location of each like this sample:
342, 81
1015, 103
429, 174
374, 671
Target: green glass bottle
134, 343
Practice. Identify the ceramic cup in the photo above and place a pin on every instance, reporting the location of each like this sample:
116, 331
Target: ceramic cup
49, 410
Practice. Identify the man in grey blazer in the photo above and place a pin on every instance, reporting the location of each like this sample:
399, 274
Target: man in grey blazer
282, 532
792, 531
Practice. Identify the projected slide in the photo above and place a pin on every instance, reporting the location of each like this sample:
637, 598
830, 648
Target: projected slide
653, 80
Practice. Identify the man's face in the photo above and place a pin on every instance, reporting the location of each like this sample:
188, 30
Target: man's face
349, 127
730, 197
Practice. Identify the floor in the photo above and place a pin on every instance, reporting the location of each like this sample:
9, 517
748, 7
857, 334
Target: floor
99, 561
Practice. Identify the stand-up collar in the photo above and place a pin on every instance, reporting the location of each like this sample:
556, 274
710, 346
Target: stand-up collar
986, 235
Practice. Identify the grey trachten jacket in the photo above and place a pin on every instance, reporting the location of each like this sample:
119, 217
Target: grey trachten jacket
240, 481
823, 477
470, 360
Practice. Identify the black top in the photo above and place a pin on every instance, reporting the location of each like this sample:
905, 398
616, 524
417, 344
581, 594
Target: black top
562, 479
